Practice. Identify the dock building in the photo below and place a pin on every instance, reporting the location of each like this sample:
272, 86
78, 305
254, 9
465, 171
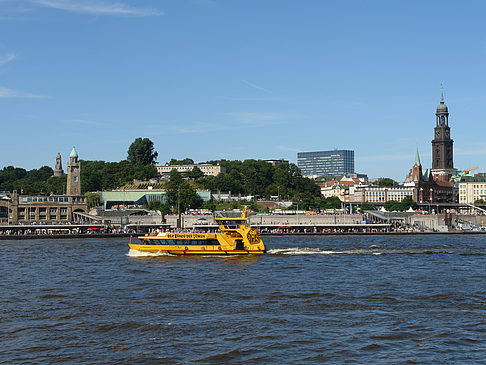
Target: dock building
47, 209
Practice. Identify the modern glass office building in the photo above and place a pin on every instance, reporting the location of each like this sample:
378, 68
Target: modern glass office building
326, 163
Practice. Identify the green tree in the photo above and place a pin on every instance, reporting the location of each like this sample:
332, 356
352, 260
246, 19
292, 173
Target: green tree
195, 173
141, 152
175, 179
386, 182
408, 203
56, 185
367, 206
186, 161
93, 199
182, 197
333, 202
393, 206
211, 205
405, 204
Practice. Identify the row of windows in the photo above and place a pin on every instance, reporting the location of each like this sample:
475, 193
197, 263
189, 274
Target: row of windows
183, 242
42, 210
42, 217
41, 199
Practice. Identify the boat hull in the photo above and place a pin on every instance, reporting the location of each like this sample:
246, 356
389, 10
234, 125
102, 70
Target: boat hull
188, 251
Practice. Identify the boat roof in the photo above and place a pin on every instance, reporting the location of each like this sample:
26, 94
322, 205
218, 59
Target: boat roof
230, 219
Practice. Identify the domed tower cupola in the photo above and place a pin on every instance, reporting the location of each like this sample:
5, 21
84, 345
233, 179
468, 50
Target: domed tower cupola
442, 113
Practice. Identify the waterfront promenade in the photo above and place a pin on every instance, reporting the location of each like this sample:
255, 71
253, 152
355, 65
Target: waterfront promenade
268, 224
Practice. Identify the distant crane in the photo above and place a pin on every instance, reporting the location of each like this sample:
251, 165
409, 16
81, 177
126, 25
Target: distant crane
466, 171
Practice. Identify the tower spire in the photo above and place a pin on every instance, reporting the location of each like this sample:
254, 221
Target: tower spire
417, 158
442, 93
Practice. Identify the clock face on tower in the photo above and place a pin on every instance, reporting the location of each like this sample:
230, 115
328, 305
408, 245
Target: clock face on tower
447, 133
437, 133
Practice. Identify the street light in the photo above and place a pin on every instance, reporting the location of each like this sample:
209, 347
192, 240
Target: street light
297, 213
179, 200
179, 223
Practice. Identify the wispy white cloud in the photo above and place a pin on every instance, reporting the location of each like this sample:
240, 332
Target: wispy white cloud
97, 7
256, 87
5, 92
7, 58
9, 93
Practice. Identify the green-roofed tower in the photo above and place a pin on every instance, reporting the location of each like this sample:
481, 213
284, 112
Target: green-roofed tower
73, 174
417, 158
73, 153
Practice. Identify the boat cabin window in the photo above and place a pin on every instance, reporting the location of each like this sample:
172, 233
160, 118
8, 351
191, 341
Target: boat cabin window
182, 242
230, 224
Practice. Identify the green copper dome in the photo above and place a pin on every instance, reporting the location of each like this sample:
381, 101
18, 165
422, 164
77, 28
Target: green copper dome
73, 153
442, 108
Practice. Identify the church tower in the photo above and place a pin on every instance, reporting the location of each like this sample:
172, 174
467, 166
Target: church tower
73, 174
416, 174
442, 150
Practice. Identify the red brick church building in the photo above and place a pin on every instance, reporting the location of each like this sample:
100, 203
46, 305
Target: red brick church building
433, 185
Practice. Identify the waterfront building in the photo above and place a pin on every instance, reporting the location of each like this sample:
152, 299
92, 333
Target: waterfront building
48, 209
427, 189
122, 199
207, 169
41, 209
344, 189
326, 163
379, 194
130, 198
472, 189
335, 190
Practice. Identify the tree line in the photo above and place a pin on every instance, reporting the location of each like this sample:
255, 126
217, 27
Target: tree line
256, 178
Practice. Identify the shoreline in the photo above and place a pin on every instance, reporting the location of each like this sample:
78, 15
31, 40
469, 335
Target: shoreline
127, 235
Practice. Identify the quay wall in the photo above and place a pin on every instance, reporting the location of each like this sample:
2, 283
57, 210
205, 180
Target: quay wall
433, 221
278, 220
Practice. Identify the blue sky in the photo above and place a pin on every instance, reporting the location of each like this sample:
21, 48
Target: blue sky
211, 79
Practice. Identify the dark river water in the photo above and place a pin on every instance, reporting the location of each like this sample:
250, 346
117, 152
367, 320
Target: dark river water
372, 299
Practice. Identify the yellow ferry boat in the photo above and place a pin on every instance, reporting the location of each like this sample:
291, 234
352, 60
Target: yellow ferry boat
235, 237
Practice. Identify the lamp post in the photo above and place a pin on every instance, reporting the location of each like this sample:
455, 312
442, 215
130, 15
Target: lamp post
179, 200
179, 206
297, 214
